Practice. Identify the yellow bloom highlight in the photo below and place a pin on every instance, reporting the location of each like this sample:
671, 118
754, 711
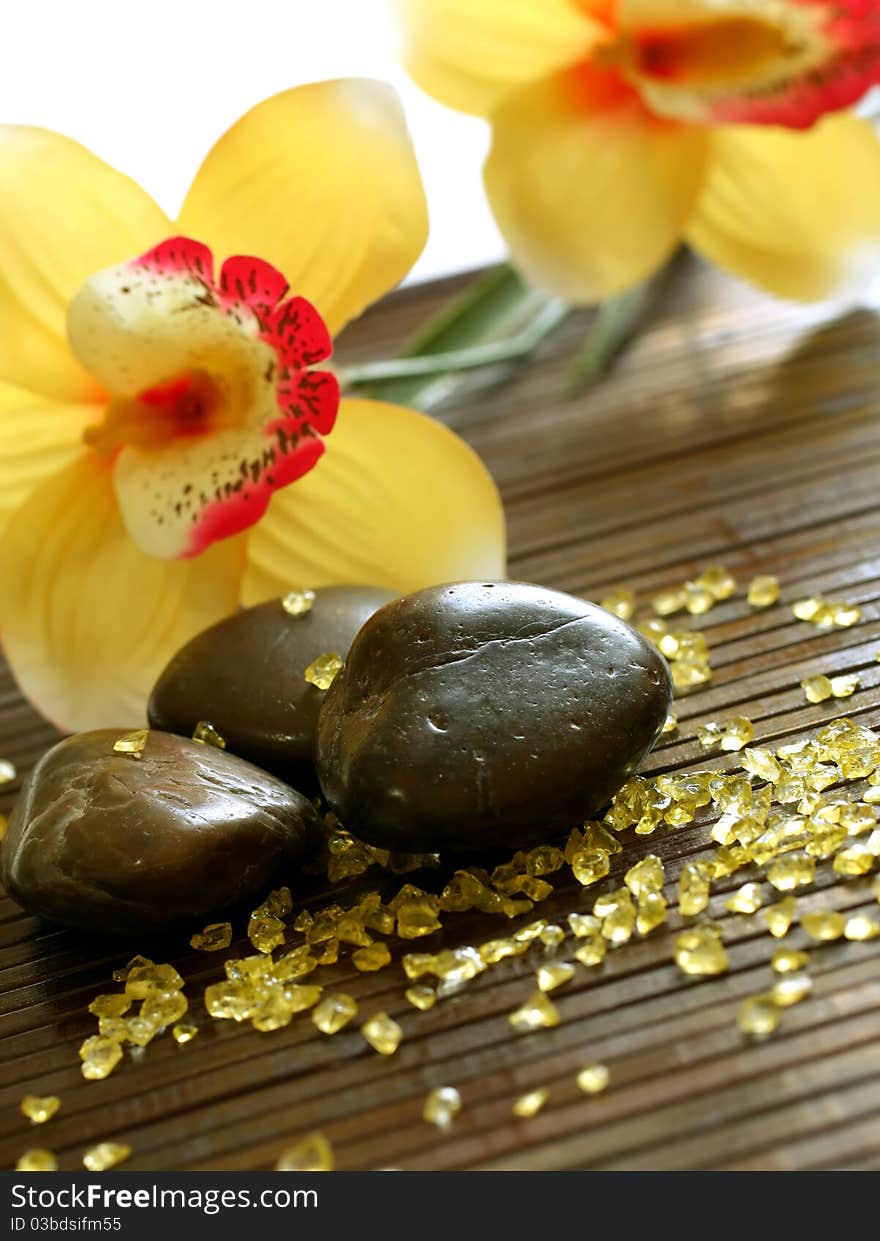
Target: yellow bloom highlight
122, 378
621, 130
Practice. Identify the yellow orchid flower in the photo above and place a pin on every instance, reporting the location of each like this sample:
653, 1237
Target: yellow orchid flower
153, 410
623, 127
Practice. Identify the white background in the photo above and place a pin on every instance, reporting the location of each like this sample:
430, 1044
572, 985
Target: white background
149, 85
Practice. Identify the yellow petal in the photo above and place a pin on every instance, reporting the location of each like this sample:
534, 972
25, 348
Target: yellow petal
89, 621
591, 192
322, 182
38, 438
797, 213
63, 215
398, 500
470, 53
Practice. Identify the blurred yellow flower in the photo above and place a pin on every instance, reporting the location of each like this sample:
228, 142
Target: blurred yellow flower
622, 127
153, 412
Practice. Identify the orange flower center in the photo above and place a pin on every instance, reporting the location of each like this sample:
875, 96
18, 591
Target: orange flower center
190, 404
713, 53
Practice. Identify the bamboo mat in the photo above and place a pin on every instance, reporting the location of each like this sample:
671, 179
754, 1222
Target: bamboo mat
735, 429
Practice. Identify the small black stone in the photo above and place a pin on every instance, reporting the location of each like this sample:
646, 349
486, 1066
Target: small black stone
246, 676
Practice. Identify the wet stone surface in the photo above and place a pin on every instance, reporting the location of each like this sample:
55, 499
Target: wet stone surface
482, 714
125, 842
246, 676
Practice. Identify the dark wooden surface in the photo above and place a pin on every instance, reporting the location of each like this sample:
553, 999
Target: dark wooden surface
736, 430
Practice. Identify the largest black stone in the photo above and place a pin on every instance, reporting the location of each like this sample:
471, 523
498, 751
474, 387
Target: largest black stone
482, 714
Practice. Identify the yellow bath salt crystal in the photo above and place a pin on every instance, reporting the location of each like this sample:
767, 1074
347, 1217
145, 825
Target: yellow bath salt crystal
646, 876
421, 997
215, 936
596, 836
536, 1013
858, 859
115, 1028
817, 688
699, 951
554, 974
39, 1108
719, 582
163, 1008
761, 764
845, 686
265, 931
845, 614
312, 1153
809, 609
334, 1012
206, 734
375, 957
737, 733
184, 1031
106, 1155
298, 602
7, 772
861, 927
99, 1057
132, 743
441, 1106
584, 925
382, 1033
121, 975
693, 888
495, 950
530, 1104
591, 951
763, 591
697, 600
652, 912
746, 900
793, 870
322, 671
791, 989
416, 918
758, 1015
824, 926
111, 1005
621, 602
670, 724
689, 673
298, 997
37, 1161
590, 866
654, 629
789, 960
668, 602
593, 1078
143, 979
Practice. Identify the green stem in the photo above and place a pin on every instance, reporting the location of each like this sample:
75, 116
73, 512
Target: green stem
613, 326
465, 359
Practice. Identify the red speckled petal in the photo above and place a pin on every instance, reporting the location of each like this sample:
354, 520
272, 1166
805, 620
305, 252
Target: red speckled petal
177, 256
298, 334
311, 398
177, 501
787, 64
253, 282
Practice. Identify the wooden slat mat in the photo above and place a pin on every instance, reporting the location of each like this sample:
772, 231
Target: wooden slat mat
735, 430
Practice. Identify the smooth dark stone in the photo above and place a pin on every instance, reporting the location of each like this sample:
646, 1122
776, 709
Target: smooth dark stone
482, 714
111, 842
245, 675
